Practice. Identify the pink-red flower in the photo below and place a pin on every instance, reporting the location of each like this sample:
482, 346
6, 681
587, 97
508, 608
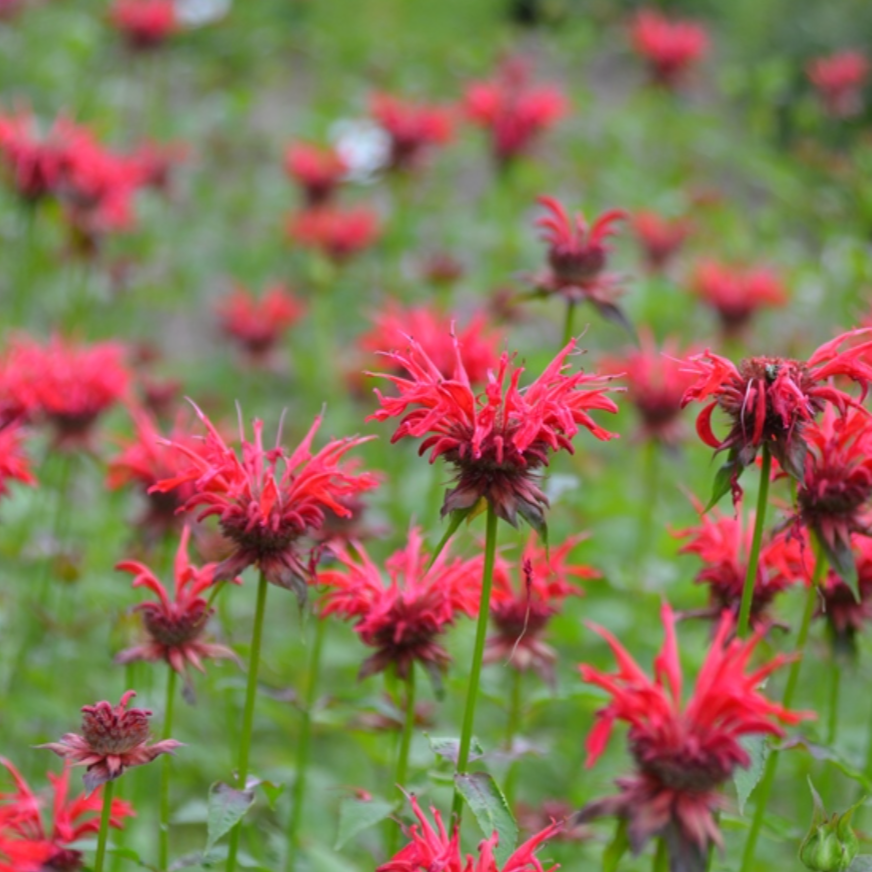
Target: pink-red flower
683, 751
514, 111
671, 48
337, 233
845, 615
413, 128
839, 80
317, 170
113, 739
404, 619
258, 323
736, 293
430, 849
521, 611
175, 627
24, 838
660, 238
145, 24
14, 465
267, 499
772, 401
33, 162
497, 440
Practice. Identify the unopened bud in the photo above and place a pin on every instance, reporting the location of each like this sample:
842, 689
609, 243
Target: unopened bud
831, 844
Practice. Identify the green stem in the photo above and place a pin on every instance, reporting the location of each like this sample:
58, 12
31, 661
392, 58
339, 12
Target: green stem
661, 857
744, 624
248, 715
405, 746
490, 547
303, 743
105, 817
512, 728
647, 509
835, 687
164, 841
568, 322
764, 789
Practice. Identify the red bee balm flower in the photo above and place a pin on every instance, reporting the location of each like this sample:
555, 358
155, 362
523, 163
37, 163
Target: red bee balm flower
412, 127
145, 24
13, 462
670, 48
431, 849
112, 740
682, 752
772, 400
34, 163
174, 628
318, 171
338, 234
258, 324
403, 620
521, 613
500, 439
839, 80
22, 832
846, 616
660, 238
264, 510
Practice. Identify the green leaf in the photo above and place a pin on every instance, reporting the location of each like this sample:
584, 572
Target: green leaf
616, 849
449, 748
747, 779
357, 815
455, 519
841, 558
723, 483
491, 811
272, 792
132, 857
822, 752
227, 806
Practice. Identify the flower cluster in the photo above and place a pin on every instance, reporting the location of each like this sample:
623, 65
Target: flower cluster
660, 238
839, 80
317, 170
671, 48
145, 24
338, 233
413, 128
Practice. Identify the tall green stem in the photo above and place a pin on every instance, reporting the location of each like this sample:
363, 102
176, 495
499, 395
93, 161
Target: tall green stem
765, 787
512, 728
490, 548
648, 506
164, 842
303, 743
105, 817
405, 746
661, 857
835, 687
744, 624
248, 715
568, 323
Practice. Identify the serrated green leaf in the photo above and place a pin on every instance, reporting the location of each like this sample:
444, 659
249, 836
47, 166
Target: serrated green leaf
747, 779
227, 806
491, 811
357, 815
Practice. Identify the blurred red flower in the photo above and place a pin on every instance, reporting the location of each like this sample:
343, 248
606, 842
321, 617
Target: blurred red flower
14, 465
34, 162
683, 752
413, 128
337, 233
145, 24
660, 237
499, 439
317, 170
839, 80
669, 47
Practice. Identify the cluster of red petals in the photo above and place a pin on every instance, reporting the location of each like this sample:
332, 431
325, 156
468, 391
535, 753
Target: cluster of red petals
839, 80
404, 619
431, 848
113, 739
736, 293
258, 323
669, 47
317, 170
65, 384
521, 611
723, 543
145, 24
413, 128
34, 163
337, 233
660, 238
24, 839
772, 400
496, 440
683, 752
175, 627
14, 465
657, 380
436, 332
266, 499
513, 110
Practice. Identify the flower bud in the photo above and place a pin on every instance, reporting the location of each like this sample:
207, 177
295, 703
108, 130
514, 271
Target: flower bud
831, 844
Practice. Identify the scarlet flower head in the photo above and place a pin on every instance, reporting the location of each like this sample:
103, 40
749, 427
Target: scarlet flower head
113, 739
513, 110
413, 128
431, 848
403, 620
145, 24
521, 611
175, 627
839, 80
497, 440
737, 293
660, 238
682, 751
33, 162
14, 465
266, 500
436, 332
23, 836
772, 400
257, 324
671, 48
317, 170
337, 233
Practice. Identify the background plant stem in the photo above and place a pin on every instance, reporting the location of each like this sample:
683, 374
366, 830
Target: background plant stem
744, 622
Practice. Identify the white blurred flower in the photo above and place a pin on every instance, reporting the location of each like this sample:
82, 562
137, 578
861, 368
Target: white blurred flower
363, 145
